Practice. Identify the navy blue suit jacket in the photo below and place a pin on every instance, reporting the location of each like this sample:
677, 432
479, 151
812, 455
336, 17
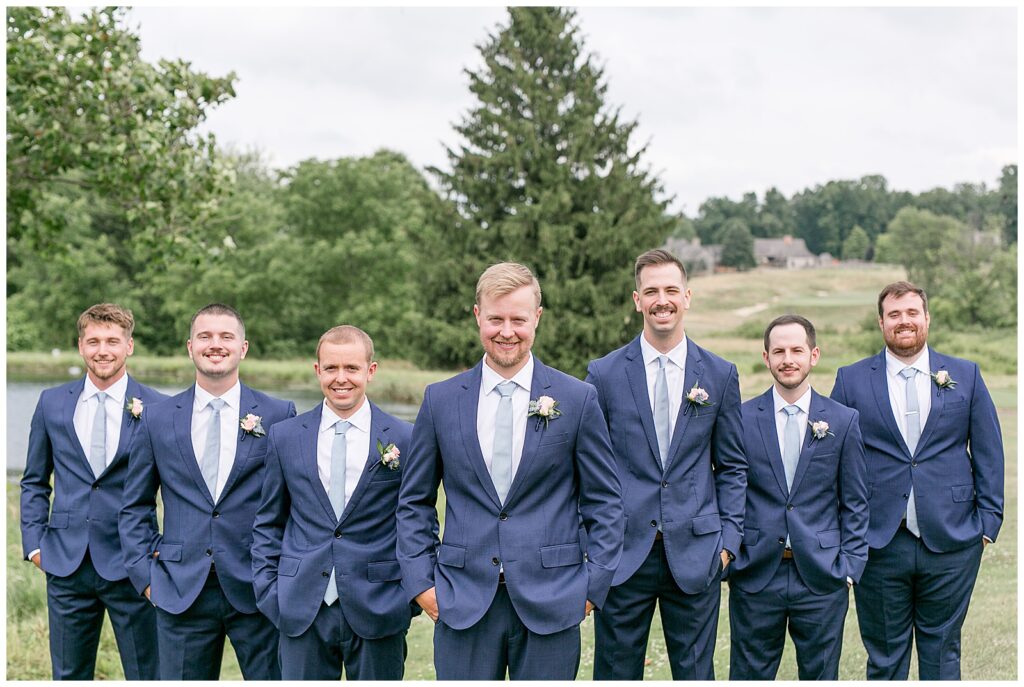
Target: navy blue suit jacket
698, 499
826, 512
566, 476
197, 531
84, 512
957, 469
297, 539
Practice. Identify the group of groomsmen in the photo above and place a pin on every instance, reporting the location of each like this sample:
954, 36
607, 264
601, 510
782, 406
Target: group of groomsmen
312, 540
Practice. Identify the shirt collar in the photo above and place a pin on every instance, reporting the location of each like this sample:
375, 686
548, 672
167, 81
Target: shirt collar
490, 379
359, 419
232, 397
803, 403
677, 355
115, 391
894, 366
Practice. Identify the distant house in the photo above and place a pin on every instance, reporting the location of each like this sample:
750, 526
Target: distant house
786, 252
697, 258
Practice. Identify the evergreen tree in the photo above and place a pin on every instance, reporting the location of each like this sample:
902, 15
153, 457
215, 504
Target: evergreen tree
545, 176
737, 245
857, 244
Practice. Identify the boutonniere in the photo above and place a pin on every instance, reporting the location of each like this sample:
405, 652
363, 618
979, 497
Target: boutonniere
820, 430
943, 380
697, 397
134, 408
253, 424
544, 408
389, 455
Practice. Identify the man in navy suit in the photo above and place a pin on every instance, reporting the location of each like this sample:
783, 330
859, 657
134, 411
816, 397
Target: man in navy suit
934, 455
806, 517
323, 555
673, 412
205, 450
524, 455
80, 435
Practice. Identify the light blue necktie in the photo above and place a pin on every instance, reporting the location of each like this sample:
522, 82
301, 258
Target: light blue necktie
791, 449
501, 457
211, 452
661, 411
98, 440
913, 430
339, 454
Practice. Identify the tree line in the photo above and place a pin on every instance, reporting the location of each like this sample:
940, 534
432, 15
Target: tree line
113, 195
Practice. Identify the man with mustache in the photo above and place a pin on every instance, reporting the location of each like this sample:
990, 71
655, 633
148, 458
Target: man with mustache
673, 411
204, 449
806, 517
80, 436
934, 455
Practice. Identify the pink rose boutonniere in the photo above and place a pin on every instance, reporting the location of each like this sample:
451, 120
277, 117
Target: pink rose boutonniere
389, 455
697, 397
253, 424
820, 430
134, 408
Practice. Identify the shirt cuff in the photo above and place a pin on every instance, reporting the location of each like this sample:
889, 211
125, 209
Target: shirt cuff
986, 539
35, 551
849, 580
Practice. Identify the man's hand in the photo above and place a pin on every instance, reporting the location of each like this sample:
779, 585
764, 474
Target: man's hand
35, 560
146, 592
428, 602
725, 559
590, 607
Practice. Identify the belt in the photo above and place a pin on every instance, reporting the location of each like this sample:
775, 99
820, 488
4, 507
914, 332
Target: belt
787, 554
659, 535
501, 578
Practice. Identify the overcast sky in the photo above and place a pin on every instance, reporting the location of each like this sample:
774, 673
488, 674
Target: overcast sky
729, 100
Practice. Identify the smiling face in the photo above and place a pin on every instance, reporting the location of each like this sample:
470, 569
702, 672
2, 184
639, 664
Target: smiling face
663, 299
790, 357
105, 349
904, 324
217, 347
344, 370
508, 325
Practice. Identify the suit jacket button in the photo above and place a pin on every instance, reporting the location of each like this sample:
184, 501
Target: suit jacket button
495, 561
654, 523
503, 516
789, 507
664, 484
337, 535
95, 487
325, 574
913, 464
216, 514
209, 552
906, 496
782, 540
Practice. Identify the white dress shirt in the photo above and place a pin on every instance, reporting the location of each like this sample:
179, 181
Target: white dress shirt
85, 413
898, 388
487, 411
357, 446
675, 374
230, 424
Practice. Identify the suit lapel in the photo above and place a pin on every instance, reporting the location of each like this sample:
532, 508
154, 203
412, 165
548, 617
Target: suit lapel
540, 385
693, 373
378, 432
770, 436
880, 390
937, 363
810, 444
244, 442
469, 401
636, 374
183, 435
308, 458
69, 403
128, 423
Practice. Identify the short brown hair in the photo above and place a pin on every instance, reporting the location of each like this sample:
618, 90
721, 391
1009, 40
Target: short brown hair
107, 313
216, 309
504, 278
791, 319
657, 256
898, 289
346, 333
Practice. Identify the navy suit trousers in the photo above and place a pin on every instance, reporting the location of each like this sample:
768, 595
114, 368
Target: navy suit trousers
320, 651
758, 628
192, 643
623, 624
909, 593
499, 642
76, 604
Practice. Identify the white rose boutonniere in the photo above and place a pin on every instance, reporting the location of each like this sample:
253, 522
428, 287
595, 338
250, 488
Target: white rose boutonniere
134, 408
544, 408
943, 380
697, 397
820, 430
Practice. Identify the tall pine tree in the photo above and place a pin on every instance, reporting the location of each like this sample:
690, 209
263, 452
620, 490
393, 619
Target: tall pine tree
545, 176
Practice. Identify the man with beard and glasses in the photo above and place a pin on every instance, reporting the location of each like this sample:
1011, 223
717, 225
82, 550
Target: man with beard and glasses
934, 453
673, 412
806, 517
80, 436
523, 452
204, 449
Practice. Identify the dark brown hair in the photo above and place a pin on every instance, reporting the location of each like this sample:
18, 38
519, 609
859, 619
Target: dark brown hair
656, 257
791, 319
899, 289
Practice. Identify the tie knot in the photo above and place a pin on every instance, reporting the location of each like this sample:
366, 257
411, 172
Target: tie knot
217, 404
791, 410
662, 361
101, 396
342, 426
506, 388
908, 373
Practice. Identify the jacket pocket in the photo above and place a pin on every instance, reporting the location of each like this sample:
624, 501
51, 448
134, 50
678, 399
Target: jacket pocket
560, 555
552, 440
750, 537
287, 566
963, 492
383, 571
58, 521
169, 552
829, 539
707, 524
452, 556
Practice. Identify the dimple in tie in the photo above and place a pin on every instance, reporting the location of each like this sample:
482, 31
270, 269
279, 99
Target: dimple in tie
339, 455
661, 411
98, 439
913, 430
211, 452
501, 457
